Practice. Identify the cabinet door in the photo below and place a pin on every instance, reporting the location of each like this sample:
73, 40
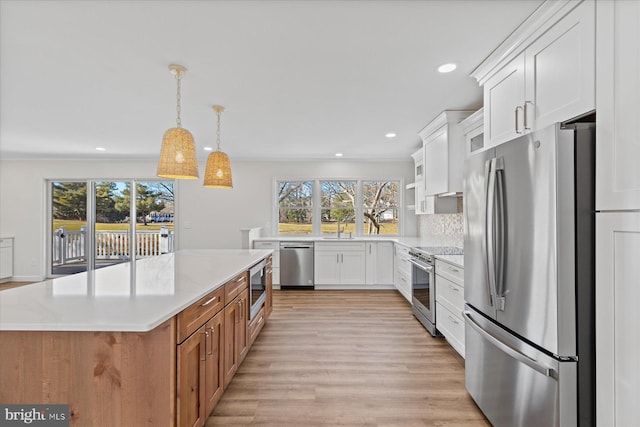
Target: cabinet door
231, 327
436, 160
326, 268
214, 366
617, 338
243, 328
503, 93
192, 380
618, 106
560, 70
384, 270
352, 268
6, 262
371, 273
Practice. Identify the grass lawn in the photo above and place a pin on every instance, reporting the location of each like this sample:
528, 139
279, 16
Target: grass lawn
73, 225
293, 228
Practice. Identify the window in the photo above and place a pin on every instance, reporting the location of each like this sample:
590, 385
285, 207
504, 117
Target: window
318, 207
295, 207
107, 227
338, 206
380, 207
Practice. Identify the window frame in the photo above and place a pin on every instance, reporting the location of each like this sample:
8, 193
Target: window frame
317, 208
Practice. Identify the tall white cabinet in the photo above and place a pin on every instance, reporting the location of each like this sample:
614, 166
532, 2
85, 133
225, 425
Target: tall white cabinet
618, 217
618, 106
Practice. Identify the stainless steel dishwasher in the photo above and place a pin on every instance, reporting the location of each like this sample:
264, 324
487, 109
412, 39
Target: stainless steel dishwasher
296, 265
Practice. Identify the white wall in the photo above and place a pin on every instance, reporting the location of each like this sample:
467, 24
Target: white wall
206, 218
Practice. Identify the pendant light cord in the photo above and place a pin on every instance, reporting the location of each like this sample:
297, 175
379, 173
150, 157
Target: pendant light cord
218, 131
178, 109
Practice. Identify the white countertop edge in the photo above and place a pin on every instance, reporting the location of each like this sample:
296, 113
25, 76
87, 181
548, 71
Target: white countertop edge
141, 322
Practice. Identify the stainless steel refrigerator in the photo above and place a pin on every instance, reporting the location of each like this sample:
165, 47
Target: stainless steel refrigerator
529, 278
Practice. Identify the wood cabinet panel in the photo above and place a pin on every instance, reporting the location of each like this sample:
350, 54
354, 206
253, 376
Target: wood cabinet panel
234, 286
214, 366
191, 380
107, 378
194, 316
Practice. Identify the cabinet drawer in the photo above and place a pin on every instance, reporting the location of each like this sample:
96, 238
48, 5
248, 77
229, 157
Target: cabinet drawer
451, 326
256, 326
450, 294
339, 246
6, 243
194, 316
234, 286
451, 272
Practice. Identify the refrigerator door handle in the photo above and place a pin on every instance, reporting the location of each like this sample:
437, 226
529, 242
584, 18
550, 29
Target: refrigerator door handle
499, 235
507, 349
489, 234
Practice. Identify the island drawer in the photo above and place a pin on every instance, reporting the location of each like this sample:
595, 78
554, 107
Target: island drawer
197, 314
234, 286
255, 326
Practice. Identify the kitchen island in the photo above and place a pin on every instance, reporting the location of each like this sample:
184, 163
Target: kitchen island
110, 342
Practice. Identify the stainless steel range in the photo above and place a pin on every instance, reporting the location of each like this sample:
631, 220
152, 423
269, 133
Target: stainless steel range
423, 285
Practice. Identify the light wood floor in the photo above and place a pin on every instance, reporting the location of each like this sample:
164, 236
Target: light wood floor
9, 285
348, 358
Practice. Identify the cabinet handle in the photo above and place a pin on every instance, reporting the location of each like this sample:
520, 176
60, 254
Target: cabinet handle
342, 258
452, 320
453, 288
241, 279
213, 330
209, 302
455, 270
526, 127
370, 248
241, 302
516, 111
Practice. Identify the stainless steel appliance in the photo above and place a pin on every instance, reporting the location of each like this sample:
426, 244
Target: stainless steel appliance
296, 265
423, 291
257, 287
529, 279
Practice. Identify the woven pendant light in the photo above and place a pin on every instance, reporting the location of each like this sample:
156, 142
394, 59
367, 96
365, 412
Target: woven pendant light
218, 171
178, 153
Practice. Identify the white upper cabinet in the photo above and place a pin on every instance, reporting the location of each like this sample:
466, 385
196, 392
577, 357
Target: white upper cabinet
418, 164
443, 143
544, 72
473, 129
503, 99
618, 106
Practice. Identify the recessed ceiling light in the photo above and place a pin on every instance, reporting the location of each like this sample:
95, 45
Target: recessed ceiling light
101, 149
339, 154
208, 148
390, 135
447, 68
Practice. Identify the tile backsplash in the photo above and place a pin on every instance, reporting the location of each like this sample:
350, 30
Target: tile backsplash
445, 228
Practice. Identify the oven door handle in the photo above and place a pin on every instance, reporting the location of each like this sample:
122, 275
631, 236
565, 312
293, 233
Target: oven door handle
427, 268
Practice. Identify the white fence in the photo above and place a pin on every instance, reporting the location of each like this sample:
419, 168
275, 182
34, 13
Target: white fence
70, 245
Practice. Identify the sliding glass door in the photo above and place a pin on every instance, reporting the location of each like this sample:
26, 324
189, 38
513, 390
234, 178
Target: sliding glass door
94, 224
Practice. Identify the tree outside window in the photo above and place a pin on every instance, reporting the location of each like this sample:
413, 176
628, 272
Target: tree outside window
338, 201
295, 207
380, 207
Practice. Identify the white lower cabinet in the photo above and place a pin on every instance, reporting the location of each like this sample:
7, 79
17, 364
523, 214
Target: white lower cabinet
402, 273
450, 303
618, 317
379, 263
339, 265
6, 258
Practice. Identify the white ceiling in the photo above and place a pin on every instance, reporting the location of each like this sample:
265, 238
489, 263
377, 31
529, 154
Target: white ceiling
299, 79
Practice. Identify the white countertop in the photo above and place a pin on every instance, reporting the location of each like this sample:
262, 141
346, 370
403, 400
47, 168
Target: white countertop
117, 298
407, 241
